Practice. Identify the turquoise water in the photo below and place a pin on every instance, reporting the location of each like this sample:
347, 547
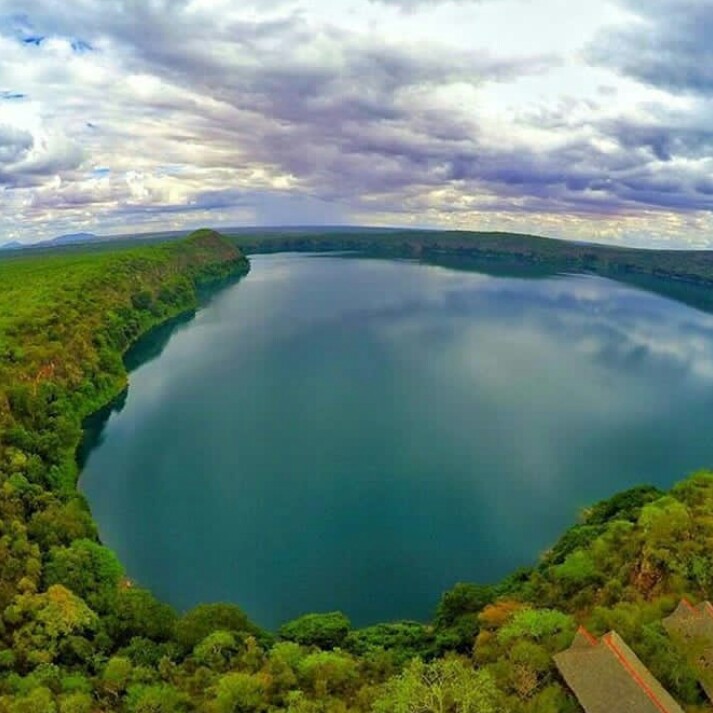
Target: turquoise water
358, 434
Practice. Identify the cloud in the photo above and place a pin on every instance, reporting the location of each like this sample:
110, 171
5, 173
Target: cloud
27, 159
410, 5
232, 111
669, 46
14, 144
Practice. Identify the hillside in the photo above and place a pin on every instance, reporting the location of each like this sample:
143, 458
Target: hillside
498, 250
695, 266
73, 239
65, 320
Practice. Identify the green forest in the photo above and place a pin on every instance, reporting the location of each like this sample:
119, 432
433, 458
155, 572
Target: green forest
78, 636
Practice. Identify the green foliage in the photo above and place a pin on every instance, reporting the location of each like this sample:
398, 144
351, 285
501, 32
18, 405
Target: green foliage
76, 703
61, 523
326, 631
537, 624
66, 317
402, 640
240, 693
577, 570
446, 686
91, 571
194, 626
328, 672
40, 700
139, 613
116, 675
216, 650
41, 623
622, 506
158, 698
457, 616
463, 599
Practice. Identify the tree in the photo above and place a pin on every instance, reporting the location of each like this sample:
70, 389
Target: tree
204, 619
328, 672
158, 698
42, 621
116, 675
139, 613
538, 624
326, 631
445, 686
62, 523
462, 599
216, 650
40, 700
403, 640
76, 703
577, 571
240, 693
456, 621
91, 571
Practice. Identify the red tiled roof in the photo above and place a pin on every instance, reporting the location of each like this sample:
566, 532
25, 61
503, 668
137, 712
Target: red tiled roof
590, 637
689, 606
692, 630
608, 677
608, 639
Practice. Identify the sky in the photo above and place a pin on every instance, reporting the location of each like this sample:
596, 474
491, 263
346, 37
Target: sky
583, 120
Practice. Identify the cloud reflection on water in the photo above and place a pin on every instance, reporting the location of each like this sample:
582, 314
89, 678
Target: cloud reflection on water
360, 434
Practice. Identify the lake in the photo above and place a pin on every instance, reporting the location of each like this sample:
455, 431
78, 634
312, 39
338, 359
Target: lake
341, 433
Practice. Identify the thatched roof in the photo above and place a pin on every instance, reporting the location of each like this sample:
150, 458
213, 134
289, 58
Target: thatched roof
608, 677
691, 627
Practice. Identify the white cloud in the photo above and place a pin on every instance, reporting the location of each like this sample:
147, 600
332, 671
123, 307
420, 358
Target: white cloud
458, 114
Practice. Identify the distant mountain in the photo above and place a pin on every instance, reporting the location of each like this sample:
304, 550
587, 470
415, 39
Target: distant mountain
73, 239
12, 245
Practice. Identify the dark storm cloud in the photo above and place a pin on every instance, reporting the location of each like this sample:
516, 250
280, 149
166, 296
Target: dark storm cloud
670, 48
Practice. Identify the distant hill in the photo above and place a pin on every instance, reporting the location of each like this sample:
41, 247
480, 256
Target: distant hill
59, 241
73, 239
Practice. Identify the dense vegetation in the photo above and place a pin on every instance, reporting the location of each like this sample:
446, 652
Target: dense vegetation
77, 636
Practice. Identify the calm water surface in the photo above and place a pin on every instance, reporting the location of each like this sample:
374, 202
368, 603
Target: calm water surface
357, 434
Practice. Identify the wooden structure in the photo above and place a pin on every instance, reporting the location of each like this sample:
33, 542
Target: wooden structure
606, 676
691, 627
